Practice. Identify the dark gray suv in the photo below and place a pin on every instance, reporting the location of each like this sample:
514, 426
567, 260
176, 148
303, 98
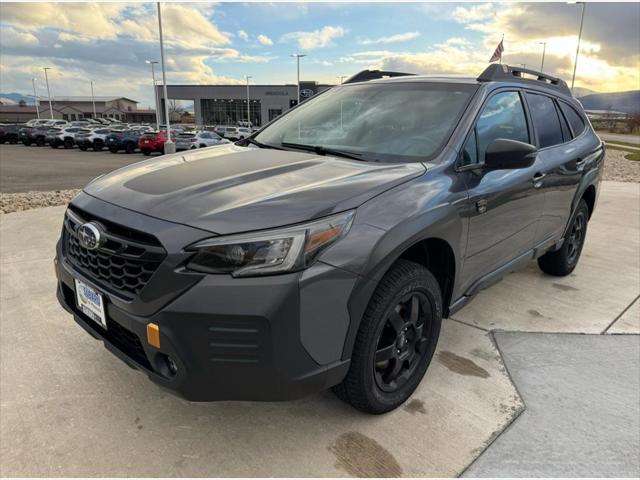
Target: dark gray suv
325, 250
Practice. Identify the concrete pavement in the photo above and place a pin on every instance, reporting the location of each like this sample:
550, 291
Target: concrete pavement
84, 412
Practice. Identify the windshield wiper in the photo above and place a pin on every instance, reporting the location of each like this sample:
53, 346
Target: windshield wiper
320, 150
258, 144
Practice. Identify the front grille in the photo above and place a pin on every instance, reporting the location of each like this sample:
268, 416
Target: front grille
123, 264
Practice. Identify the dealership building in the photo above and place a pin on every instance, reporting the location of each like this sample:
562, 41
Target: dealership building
227, 104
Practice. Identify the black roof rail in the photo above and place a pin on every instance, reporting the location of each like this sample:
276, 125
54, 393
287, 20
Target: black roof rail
366, 75
506, 73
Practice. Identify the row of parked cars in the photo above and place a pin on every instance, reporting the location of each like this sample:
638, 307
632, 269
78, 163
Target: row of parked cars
116, 137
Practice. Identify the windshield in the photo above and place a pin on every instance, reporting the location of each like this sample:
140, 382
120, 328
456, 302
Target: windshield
406, 121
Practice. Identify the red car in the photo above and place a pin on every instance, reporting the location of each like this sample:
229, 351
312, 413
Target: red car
153, 141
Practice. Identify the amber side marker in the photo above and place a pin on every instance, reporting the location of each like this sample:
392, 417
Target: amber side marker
153, 335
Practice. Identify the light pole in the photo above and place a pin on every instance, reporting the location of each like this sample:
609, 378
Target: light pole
298, 56
575, 62
169, 146
523, 65
248, 108
35, 97
341, 78
155, 91
46, 77
544, 50
93, 101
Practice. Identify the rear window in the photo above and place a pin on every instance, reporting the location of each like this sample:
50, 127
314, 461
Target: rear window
545, 120
574, 119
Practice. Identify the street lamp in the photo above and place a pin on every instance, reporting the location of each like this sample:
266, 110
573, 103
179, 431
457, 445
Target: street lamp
523, 65
575, 62
46, 77
544, 50
247, 77
155, 91
298, 56
169, 146
341, 78
35, 97
93, 101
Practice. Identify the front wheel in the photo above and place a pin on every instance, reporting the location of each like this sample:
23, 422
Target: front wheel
130, 148
68, 143
97, 146
396, 340
562, 262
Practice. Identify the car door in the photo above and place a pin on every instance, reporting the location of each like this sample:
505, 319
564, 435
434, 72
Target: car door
504, 206
563, 160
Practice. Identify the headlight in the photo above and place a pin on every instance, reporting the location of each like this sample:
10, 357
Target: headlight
269, 252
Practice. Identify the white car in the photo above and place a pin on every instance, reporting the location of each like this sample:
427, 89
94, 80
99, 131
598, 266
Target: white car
237, 133
95, 138
192, 140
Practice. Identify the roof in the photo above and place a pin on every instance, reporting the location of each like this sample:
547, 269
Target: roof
15, 108
89, 99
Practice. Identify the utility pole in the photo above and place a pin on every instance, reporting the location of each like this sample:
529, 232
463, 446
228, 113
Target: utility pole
35, 97
93, 101
155, 91
544, 50
248, 108
575, 63
341, 78
298, 56
169, 146
46, 77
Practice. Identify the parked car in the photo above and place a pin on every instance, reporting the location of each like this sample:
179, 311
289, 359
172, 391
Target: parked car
65, 137
275, 268
10, 133
95, 139
154, 141
126, 140
190, 141
220, 130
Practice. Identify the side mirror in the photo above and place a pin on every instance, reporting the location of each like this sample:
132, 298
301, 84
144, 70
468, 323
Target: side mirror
504, 154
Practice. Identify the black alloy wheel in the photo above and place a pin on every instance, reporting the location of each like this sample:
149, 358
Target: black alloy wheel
402, 341
396, 339
563, 261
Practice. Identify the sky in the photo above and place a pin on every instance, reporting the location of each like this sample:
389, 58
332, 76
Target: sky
220, 43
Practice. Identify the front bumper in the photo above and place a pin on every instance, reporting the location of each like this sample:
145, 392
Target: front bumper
231, 339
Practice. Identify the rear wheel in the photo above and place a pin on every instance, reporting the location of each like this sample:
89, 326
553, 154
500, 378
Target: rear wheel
396, 340
146, 151
113, 149
83, 148
562, 262
68, 143
130, 148
40, 141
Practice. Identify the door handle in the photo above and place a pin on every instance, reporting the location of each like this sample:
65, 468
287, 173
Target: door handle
537, 179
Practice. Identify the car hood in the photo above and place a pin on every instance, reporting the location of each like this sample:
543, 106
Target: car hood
228, 189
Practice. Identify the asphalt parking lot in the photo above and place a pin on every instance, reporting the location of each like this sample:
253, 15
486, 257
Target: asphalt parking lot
70, 408
24, 169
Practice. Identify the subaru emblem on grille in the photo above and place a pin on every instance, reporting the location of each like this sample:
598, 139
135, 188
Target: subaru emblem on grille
89, 235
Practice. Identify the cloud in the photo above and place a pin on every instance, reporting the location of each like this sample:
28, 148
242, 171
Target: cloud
243, 35
400, 37
316, 39
264, 40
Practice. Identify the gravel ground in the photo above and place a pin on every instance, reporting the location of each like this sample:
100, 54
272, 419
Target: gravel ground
617, 168
13, 202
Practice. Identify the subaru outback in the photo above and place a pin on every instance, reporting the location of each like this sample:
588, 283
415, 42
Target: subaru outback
325, 250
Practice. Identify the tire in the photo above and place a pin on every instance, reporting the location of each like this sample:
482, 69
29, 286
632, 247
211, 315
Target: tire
68, 143
40, 141
562, 262
386, 329
129, 148
97, 146
53, 145
146, 152
26, 143
113, 149
83, 148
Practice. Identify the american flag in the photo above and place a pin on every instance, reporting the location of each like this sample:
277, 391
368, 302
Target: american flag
497, 55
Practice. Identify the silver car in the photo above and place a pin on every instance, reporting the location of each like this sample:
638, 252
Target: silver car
192, 140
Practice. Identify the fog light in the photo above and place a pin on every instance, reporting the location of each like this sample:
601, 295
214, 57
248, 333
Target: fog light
171, 365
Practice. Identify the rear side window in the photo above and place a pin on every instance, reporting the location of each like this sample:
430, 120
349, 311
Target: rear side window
545, 119
566, 133
502, 117
574, 119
